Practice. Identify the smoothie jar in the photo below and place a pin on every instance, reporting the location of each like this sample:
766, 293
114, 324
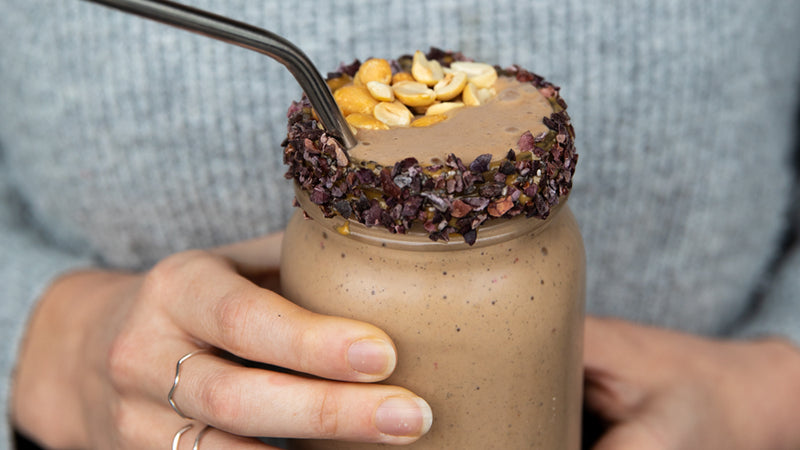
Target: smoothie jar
475, 269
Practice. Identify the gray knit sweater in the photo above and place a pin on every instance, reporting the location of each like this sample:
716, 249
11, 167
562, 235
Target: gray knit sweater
122, 140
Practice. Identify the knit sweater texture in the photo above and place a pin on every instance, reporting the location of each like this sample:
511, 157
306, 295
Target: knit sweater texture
123, 141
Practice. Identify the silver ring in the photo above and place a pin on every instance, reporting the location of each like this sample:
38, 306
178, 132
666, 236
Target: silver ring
177, 439
170, 398
196, 445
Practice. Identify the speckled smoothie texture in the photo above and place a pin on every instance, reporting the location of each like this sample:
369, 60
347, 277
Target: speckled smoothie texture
490, 334
455, 238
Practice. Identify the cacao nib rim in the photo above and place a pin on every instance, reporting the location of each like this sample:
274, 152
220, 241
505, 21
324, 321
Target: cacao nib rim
450, 198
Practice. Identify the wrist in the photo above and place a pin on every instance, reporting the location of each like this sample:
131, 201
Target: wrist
787, 357
46, 393
773, 394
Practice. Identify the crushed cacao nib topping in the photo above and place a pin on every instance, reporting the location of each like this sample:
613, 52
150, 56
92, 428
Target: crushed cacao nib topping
452, 198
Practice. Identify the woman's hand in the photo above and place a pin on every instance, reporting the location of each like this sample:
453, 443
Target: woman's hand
663, 390
101, 350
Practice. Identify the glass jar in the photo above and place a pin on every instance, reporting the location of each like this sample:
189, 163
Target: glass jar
489, 334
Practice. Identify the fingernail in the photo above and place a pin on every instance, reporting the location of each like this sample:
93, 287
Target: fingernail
371, 356
401, 416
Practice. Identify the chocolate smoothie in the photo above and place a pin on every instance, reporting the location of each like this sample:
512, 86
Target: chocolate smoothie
476, 269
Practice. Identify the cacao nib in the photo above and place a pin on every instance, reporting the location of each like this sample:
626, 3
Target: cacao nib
507, 168
319, 196
525, 142
481, 163
343, 208
476, 203
350, 69
460, 208
441, 204
470, 236
460, 197
387, 184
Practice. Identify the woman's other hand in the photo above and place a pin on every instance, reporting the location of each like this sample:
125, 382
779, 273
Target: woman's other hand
664, 390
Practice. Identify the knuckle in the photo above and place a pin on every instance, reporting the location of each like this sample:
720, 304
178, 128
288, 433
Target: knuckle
125, 421
122, 361
325, 421
306, 345
232, 314
221, 400
177, 272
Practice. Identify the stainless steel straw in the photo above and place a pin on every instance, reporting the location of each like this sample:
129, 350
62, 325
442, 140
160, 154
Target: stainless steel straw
250, 37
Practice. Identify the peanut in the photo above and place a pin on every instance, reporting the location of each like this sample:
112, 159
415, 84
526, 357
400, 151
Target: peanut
470, 95
354, 99
374, 69
393, 114
366, 122
481, 74
380, 91
424, 71
426, 121
402, 76
486, 94
450, 86
336, 83
414, 93
442, 108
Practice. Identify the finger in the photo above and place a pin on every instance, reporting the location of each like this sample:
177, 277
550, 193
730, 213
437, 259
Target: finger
612, 388
255, 402
254, 256
631, 436
216, 305
608, 344
204, 437
136, 425
609, 397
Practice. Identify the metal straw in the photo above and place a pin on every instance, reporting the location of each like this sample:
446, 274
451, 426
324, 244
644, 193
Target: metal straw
250, 37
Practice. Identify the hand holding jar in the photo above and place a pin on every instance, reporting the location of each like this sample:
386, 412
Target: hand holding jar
116, 338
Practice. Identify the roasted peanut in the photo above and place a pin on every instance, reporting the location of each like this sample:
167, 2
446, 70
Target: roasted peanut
374, 69
354, 99
426, 121
402, 76
442, 108
450, 86
470, 95
365, 121
393, 114
425, 71
336, 83
481, 75
380, 91
486, 94
414, 93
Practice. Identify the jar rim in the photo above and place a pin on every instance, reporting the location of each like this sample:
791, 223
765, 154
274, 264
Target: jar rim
493, 231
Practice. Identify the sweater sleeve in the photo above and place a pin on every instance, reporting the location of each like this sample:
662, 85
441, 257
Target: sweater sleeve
778, 314
27, 266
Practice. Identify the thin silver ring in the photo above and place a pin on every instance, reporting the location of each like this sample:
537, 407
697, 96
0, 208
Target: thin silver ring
177, 439
170, 398
196, 445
